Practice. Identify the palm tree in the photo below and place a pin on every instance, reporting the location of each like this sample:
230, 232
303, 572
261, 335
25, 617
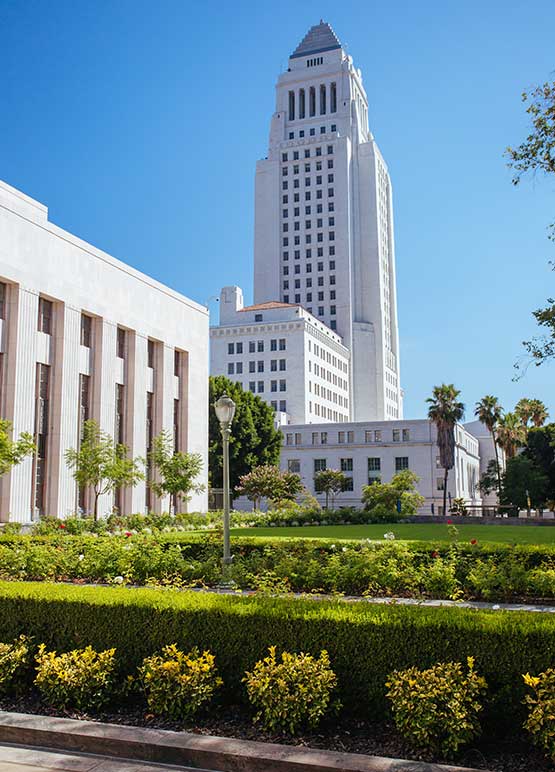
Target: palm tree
511, 434
523, 409
539, 414
489, 412
445, 410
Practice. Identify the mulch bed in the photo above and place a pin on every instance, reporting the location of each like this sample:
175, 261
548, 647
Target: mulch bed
351, 736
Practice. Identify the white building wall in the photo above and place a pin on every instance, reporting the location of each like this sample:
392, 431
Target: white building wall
38, 258
358, 442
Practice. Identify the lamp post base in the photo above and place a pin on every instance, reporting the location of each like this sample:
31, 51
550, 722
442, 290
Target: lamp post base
226, 582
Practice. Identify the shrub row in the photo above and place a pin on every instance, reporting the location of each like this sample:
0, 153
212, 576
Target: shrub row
418, 569
365, 643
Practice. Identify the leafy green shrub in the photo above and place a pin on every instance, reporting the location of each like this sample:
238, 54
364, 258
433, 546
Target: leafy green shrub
15, 661
293, 693
82, 678
437, 709
176, 684
541, 710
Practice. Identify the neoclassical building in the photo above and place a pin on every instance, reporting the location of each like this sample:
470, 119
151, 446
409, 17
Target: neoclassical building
83, 335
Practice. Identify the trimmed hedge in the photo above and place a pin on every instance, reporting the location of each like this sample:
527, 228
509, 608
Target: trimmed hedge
365, 642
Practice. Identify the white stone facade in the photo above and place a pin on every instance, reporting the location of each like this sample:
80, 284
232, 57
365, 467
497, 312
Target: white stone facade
324, 218
284, 355
376, 450
85, 336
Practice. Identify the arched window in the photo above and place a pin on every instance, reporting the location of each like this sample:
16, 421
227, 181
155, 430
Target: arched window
312, 101
322, 100
301, 103
291, 105
333, 98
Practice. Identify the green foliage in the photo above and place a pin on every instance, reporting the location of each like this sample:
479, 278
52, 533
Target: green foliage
254, 440
540, 447
541, 710
267, 481
437, 709
490, 480
383, 500
331, 482
12, 452
176, 471
176, 684
101, 464
523, 478
489, 412
445, 410
365, 642
511, 434
293, 693
82, 678
15, 660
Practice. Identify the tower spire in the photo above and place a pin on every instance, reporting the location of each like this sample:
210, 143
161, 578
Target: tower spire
320, 37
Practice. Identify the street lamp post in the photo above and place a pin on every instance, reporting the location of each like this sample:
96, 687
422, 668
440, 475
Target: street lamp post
225, 410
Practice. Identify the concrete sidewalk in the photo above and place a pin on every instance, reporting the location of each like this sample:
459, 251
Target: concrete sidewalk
18, 759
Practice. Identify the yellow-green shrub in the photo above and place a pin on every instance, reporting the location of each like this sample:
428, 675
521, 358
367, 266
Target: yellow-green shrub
541, 710
437, 709
14, 665
82, 678
176, 684
292, 693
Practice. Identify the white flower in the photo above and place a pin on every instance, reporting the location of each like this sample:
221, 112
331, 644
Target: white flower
147, 530
332, 546
81, 557
390, 536
344, 549
118, 579
496, 607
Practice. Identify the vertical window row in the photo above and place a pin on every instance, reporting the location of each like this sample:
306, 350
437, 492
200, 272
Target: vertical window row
42, 401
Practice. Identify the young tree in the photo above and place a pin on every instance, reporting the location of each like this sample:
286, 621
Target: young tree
511, 434
537, 153
101, 464
398, 497
445, 410
254, 439
331, 482
12, 452
268, 482
489, 412
177, 471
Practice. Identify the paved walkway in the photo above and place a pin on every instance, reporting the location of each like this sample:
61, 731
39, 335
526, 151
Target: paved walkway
19, 759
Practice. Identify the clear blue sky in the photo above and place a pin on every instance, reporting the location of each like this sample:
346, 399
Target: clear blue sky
139, 125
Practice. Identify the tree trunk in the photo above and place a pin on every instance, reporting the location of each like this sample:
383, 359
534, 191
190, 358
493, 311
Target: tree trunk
497, 467
327, 498
95, 512
445, 492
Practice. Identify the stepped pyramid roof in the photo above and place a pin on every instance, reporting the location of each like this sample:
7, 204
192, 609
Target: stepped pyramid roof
319, 38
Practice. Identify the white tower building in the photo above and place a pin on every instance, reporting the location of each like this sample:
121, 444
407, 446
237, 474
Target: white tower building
324, 218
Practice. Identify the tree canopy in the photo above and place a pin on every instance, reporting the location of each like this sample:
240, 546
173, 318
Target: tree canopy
268, 482
176, 472
396, 498
254, 440
12, 452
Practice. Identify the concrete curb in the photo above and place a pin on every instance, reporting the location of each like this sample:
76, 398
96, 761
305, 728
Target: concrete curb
198, 751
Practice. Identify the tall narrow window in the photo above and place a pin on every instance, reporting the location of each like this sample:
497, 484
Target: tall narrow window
84, 415
120, 343
86, 330
3, 289
45, 316
302, 103
149, 437
176, 438
312, 102
291, 105
333, 98
322, 100
150, 353
177, 362
119, 429
42, 394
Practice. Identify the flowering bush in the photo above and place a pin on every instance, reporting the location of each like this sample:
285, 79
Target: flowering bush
176, 684
15, 659
437, 709
292, 693
82, 678
541, 710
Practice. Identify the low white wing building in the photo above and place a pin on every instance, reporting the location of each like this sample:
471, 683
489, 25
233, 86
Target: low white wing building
374, 451
83, 335
286, 356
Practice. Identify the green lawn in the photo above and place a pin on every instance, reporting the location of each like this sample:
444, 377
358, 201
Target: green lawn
525, 534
